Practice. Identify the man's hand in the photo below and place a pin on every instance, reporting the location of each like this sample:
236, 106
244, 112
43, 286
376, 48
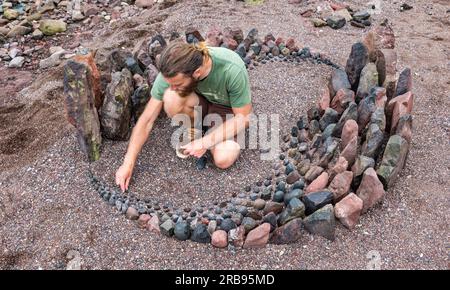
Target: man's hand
123, 176
195, 148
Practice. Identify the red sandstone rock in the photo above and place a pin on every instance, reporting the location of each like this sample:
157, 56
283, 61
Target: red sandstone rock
219, 239
348, 210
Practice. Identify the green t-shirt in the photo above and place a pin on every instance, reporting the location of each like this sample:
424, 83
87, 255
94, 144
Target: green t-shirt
226, 84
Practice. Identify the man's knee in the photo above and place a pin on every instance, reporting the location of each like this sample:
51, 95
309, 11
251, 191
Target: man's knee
225, 154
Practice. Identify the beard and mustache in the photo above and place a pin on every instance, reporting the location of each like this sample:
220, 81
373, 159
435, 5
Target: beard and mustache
190, 88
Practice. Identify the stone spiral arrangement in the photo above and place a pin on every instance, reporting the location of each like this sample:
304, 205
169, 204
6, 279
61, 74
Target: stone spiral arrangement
337, 162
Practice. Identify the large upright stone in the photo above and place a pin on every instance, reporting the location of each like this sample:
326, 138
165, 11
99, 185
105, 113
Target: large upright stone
368, 80
394, 159
386, 64
116, 109
289, 233
372, 144
397, 107
88, 59
348, 210
404, 83
370, 190
322, 222
339, 80
315, 200
355, 63
80, 107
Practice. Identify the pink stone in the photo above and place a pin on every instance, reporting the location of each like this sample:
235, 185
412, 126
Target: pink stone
340, 166
350, 151
386, 64
398, 107
342, 97
349, 131
399, 110
324, 102
340, 185
290, 44
338, 6
214, 37
143, 220
278, 41
230, 43
348, 210
318, 184
153, 225
258, 237
219, 239
406, 99
370, 190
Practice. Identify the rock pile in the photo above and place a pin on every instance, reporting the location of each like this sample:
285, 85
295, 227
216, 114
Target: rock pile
337, 162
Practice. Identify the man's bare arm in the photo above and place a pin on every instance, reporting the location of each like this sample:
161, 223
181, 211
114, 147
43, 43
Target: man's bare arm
138, 137
142, 130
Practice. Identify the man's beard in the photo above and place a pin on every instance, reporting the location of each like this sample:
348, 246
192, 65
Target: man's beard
186, 91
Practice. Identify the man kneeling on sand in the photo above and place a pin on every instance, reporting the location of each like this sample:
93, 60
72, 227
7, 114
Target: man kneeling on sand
195, 76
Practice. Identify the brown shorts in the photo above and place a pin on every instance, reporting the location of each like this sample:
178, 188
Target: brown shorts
211, 108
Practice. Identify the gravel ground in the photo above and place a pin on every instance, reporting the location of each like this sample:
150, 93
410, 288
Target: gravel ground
48, 208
